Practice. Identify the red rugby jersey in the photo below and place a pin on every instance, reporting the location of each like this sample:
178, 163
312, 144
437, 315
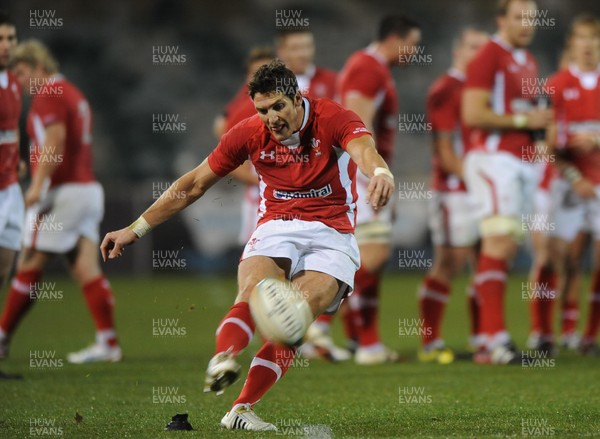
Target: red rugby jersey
505, 72
10, 110
57, 100
312, 180
576, 101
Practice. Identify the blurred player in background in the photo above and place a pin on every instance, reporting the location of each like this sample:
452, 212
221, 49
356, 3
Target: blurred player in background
296, 48
451, 220
307, 217
366, 86
241, 107
547, 267
498, 166
12, 208
65, 203
575, 134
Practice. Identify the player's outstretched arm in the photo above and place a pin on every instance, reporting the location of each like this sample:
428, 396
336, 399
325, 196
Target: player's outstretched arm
183, 192
370, 163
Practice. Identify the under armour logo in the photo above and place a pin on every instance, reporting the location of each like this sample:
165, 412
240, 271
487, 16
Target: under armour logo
264, 155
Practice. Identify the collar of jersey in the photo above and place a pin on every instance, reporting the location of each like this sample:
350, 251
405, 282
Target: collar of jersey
294, 140
457, 74
588, 80
370, 50
310, 72
58, 76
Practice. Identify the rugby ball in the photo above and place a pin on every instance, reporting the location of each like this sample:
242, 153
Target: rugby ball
280, 312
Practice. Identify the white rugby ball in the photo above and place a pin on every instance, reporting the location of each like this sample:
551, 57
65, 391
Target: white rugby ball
280, 312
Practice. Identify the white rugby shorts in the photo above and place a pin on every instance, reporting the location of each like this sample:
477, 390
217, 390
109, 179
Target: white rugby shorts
309, 245
452, 220
66, 213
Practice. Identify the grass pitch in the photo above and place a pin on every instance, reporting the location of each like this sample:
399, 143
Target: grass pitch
166, 326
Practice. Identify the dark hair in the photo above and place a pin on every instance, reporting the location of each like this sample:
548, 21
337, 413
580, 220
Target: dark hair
274, 77
6, 19
400, 25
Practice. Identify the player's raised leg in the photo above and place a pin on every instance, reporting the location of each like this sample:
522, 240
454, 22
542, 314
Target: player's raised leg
273, 360
236, 329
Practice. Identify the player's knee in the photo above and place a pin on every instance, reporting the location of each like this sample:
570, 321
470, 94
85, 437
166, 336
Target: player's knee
83, 272
243, 294
448, 267
320, 299
441, 272
245, 287
30, 259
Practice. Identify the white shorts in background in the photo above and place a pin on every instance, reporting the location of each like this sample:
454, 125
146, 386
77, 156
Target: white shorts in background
452, 220
12, 216
309, 245
570, 214
501, 184
65, 214
371, 226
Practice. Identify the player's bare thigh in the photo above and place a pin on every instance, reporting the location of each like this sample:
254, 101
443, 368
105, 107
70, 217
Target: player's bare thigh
373, 256
255, 268
320, 288
84, 261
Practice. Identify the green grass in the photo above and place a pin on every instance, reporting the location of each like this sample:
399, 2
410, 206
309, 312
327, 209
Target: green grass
116, 400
